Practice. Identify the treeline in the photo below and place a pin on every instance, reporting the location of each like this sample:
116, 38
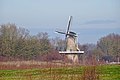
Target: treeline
109, 47
106, 49
17, 43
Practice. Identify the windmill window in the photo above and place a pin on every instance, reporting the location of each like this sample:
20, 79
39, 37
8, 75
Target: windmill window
70, 49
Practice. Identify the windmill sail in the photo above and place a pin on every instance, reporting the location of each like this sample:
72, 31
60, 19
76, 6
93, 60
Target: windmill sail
68, 26
60, 32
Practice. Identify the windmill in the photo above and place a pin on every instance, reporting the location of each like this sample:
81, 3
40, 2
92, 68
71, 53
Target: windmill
71, 49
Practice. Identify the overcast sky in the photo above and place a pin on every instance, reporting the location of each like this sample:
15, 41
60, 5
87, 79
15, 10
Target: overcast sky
92, 19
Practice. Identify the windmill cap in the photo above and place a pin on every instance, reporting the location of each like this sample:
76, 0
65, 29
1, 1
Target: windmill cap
72, 33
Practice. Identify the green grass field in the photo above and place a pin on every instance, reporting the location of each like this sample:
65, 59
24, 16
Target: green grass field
104, 72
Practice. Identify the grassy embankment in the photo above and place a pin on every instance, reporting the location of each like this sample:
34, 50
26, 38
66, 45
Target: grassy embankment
104, 72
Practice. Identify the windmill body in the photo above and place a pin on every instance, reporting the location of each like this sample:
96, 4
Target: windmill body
71, 50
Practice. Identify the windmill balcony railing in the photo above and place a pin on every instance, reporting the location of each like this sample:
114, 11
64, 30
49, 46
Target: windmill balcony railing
71, 52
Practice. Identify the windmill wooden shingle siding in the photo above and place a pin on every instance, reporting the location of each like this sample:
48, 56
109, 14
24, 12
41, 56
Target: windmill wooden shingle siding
71, 50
